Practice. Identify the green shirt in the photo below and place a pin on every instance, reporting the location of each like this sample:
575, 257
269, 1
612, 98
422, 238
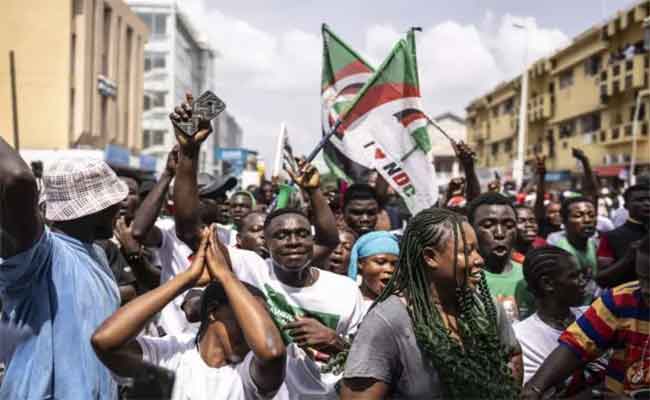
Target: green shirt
587, 262
509, 289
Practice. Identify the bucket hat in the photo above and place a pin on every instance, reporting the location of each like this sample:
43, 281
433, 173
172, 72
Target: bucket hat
76, 188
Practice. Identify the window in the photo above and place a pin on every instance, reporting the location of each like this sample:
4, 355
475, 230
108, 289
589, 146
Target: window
495, 112
508, 146
592, 65
641, 112
508, 106
566, 78
157, 23
154, 99
146, 138
158, 137
154, 60
590, 122
567, 129
495, 148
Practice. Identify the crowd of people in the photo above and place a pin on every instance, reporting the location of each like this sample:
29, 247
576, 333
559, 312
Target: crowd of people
192, 288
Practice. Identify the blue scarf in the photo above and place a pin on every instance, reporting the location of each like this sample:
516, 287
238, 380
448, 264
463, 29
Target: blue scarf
370, 244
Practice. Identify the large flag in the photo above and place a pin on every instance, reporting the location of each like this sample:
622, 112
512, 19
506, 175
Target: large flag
386, 123
344, 74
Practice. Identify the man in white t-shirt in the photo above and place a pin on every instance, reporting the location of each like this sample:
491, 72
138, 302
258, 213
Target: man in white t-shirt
238, 353
316, 310
553, 276
160, 235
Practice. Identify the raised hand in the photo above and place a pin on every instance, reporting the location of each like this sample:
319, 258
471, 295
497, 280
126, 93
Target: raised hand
200, 276
464, 153
217, 262
307, 176
123, 234
578, 154
172, 160
183, 113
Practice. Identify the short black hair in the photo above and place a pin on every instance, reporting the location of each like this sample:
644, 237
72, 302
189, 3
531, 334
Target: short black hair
634, 188
282, 211
359, 191
522, 207
214, 295
487, 199
542, 261
262, 213
566, 205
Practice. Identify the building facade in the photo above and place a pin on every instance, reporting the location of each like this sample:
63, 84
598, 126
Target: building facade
442, 154
583, 96
78, 75
177, 60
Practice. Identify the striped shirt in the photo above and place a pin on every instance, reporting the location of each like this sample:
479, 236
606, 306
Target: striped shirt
618, 320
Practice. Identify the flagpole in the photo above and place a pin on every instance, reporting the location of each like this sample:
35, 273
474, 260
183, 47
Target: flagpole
323, 142
277, 163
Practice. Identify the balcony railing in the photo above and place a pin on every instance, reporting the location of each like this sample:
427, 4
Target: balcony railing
624, 75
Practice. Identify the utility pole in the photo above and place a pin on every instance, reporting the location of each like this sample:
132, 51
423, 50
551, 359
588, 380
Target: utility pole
631, 177
518, 166
14, 106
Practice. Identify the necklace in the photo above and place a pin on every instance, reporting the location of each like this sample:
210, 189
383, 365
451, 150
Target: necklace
560, 323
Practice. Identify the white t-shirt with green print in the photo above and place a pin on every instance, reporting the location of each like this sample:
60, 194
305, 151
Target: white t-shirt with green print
334, 300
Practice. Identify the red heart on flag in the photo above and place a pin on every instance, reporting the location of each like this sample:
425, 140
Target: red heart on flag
379, 154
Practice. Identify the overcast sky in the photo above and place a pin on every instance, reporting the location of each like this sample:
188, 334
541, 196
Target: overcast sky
270, 52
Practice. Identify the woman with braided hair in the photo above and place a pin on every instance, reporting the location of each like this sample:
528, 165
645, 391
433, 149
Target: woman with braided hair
435, 331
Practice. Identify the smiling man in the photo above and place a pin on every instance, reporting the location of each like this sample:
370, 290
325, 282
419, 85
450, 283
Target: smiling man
316, 310
495, 222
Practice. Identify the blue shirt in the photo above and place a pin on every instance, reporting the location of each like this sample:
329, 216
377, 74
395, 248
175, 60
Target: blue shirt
60, 289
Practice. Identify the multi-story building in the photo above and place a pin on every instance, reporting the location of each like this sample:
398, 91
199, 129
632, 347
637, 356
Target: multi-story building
442, 154
78, 69
177, 60
582, 96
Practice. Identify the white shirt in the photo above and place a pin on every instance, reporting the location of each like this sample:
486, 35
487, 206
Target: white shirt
333, 299
174, 257
195, 380
537, 340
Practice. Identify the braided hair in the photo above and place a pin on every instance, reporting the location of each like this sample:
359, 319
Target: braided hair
477, 367
543, 261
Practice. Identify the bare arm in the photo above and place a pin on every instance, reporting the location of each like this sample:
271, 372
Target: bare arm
114, 342
260, 332
186, 192
146, 275
381, 190
327, 235
540, 209
558, 366
144, 230
20, 222
143, 227
466, 157
363, 389
589, 182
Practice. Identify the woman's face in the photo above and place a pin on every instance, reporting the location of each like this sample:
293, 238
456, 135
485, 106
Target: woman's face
376, 272
441, 260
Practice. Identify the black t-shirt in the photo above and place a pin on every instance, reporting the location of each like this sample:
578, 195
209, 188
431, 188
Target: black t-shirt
117, 262
546, 228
